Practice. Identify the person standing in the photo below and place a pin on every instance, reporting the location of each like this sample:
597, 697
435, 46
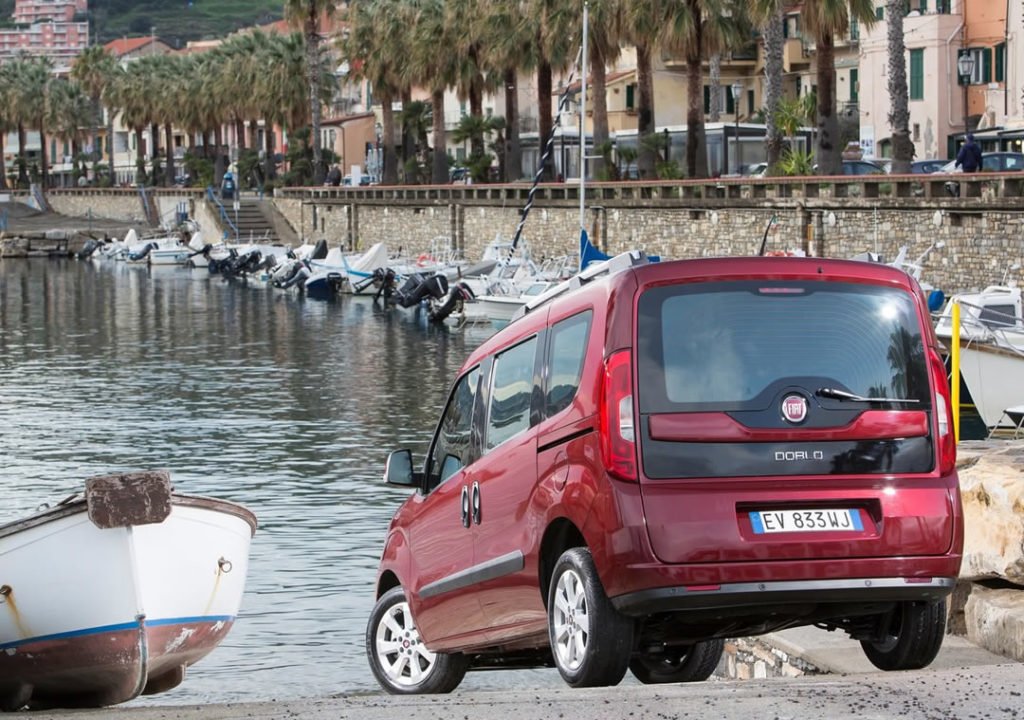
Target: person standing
969, 157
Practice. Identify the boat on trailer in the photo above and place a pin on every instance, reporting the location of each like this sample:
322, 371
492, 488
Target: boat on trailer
114, 592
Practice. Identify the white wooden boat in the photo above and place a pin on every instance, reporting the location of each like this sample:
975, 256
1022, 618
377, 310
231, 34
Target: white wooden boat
113, 593
991, 349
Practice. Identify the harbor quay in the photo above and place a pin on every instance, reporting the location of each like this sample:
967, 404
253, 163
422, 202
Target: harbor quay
974, 236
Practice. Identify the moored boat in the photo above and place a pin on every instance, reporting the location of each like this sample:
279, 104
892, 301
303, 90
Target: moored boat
114, 593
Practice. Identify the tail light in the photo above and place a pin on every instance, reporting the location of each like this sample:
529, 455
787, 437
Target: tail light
943, 414
617, 431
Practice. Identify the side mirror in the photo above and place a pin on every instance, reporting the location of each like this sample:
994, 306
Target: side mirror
398, 470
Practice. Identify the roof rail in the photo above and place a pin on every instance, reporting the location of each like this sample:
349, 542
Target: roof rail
594, 271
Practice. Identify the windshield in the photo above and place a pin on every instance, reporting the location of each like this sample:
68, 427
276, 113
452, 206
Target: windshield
731, 345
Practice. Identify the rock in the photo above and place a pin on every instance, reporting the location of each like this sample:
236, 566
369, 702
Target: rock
56, 235
992, 490
995, 620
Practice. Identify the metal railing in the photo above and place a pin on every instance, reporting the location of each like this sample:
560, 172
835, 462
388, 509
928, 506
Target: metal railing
212, 197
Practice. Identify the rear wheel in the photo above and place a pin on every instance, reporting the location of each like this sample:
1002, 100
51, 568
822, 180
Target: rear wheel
914, 637
400, 661
590, 640
692, 663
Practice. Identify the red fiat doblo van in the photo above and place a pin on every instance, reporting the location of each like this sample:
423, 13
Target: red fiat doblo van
658, 456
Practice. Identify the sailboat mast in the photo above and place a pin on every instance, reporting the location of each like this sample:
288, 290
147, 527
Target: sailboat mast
584, 63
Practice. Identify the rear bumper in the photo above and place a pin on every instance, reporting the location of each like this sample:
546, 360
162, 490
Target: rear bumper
758, 596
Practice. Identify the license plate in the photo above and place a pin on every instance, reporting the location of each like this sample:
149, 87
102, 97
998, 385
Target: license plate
776, 521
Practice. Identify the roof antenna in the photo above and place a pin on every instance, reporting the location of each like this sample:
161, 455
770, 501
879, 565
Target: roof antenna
764, 240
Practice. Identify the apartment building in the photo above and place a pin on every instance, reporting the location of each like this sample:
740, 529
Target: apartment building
48, 28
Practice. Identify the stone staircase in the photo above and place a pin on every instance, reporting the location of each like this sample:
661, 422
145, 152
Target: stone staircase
252, 221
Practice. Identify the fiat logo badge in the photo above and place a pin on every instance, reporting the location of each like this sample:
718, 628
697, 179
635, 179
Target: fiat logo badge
794, 408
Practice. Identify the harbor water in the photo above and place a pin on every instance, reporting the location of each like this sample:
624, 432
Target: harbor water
286, 405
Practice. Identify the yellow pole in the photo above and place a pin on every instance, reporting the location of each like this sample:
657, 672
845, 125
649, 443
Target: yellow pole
954, 375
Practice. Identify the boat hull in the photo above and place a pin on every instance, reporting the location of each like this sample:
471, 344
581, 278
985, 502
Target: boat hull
995, 378
92, 617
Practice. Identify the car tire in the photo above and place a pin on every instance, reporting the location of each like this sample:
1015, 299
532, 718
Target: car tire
694, 663
400, 661
590, 640
914, 639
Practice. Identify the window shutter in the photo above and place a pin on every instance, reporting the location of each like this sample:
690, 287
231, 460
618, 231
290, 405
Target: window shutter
707, 99
917, 74
1001, 62
986, 65
730, 105
630, 90
854, 80
880, 13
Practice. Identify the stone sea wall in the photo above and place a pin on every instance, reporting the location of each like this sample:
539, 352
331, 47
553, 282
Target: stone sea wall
978, 246
983, 236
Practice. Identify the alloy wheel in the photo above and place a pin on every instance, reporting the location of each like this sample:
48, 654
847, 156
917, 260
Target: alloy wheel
401, 652
570, 621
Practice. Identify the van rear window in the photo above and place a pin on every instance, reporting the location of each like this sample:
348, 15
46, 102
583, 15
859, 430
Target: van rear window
725, 345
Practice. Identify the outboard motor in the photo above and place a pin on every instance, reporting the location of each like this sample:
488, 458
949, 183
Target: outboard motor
143, 253
325, 286
461, 294
319, 250
383, 279
297, 272
87, 249
418, 287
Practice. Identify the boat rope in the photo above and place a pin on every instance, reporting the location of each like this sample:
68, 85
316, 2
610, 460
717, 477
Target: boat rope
549, 147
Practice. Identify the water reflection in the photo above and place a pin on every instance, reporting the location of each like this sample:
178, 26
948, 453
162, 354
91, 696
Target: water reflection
286, 405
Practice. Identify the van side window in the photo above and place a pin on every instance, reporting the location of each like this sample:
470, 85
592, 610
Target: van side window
453, 444
568, 348
511, 390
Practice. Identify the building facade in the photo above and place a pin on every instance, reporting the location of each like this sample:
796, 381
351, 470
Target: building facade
56, 29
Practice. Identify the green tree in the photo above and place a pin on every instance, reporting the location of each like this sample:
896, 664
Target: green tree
827, 20
899, 111
644, 23
69, 109
309, 16
698, 29
95, 69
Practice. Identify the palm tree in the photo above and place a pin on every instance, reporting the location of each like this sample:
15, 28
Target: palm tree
699, 28
772, 18
32, 76
604, 46
376, 49
94, 69
557, 26
69, 110
436, 71
7, 122
307, 16
644, 22
899, 112
827, 20
507, 45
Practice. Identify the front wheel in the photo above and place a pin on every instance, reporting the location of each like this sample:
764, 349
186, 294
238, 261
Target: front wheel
914, 637
692, 663
590, 640
400, 661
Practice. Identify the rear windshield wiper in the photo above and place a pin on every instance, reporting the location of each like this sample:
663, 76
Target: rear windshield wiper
837, 394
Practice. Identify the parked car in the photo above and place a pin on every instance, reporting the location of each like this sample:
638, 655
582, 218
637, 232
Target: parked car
917, 166
990, 162
671, 454
756, 170
859, 167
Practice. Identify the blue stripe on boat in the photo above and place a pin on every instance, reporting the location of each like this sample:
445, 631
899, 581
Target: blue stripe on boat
120, 626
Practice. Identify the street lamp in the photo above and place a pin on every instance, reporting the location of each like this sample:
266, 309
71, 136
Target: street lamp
965, 68
737, 90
